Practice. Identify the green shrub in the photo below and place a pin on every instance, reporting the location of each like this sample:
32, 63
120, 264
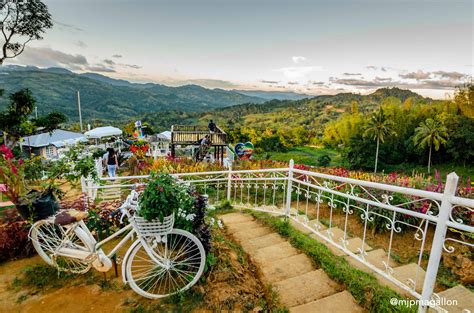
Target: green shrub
324, 160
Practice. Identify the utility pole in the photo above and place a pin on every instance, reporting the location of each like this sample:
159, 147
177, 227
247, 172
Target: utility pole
36, 112
79, 108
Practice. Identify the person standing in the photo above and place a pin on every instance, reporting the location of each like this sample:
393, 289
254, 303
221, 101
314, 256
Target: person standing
112, 163
212, 126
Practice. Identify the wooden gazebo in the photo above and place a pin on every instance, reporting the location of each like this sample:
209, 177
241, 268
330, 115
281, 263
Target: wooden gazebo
184, 135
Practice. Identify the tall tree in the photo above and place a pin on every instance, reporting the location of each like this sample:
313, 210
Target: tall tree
15, 122
21, 22
378, 128
431, 133
464, 98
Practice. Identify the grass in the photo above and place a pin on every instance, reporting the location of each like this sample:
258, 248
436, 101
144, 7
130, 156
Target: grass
364, 287
305, 155
309, 155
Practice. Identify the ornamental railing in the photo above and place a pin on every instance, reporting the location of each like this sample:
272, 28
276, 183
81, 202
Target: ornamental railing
188, 135
366, 222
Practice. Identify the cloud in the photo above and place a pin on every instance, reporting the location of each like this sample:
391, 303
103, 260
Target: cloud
418, 75
450, 75
295, 72
47, 57
117, 56
100, 68
383, 79
270, 82
109, 62
318, 83
68, 26
137, 67
292, 83
213, 83
378, 82
352, 74
357, 82
80, 44
376, 68
298, 59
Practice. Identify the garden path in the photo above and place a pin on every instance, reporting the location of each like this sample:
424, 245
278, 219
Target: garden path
301, 286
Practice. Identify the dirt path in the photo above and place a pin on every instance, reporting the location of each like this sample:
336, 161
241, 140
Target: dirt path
301, 286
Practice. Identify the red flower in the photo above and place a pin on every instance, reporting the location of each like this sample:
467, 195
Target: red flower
6, 152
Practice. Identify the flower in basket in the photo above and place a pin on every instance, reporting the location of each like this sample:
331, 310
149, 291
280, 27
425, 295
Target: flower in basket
164, 196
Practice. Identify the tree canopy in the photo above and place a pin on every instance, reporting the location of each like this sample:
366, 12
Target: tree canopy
21, 22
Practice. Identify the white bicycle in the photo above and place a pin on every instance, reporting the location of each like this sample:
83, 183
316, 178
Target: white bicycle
162, 261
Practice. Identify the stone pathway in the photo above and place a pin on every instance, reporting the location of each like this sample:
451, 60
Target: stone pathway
463, 296
301, 286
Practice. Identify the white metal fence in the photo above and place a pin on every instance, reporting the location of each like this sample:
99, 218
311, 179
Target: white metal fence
329, 207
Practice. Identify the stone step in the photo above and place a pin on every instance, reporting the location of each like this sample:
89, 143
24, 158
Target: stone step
251, 233
338, 302
408, 272
305, 288
377, 257
299, 226
287, 268
235, 218
315, 224
268, 255
236, 227
463, 296
262, 242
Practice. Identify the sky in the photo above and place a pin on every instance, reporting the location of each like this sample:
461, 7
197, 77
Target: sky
312, 47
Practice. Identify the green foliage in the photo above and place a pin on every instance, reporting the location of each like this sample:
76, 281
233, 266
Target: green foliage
106, 99
164, 196
15, 123
324, 160
22, 21
430, 134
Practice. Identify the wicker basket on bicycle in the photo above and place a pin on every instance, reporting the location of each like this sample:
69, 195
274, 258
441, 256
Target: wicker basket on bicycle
152, 229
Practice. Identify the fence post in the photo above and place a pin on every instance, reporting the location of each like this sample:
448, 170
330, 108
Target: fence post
438, 241
289, 187
89, 188
229, 183
98, 167
84, 190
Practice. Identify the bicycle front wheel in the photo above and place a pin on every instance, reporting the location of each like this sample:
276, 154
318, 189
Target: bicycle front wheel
182, 256
48, 237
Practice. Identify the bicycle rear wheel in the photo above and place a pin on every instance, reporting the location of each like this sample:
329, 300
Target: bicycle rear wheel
48, 237
183, 258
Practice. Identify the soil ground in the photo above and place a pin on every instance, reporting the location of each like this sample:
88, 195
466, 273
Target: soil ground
232, 283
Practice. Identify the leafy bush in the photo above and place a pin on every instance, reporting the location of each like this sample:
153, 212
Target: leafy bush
164, 196
14, 241
324, 160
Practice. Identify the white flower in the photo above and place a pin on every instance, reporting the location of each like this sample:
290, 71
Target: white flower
219, 223
212, 221
211, 207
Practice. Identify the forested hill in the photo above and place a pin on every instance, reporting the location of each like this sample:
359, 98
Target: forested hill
309, 113
110, 99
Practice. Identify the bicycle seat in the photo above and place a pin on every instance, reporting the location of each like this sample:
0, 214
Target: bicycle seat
69, 216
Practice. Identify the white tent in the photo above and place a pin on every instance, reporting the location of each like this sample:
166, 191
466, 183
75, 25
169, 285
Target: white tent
100, 132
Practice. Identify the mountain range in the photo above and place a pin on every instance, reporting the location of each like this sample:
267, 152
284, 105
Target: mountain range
107, 98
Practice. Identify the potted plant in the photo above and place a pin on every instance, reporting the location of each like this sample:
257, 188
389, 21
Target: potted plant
34, 196
164, 196
30, 204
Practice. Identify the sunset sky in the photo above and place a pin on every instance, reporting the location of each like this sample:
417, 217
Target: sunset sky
312, 47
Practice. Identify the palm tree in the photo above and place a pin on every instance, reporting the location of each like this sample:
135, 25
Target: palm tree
378, 128
430, 133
